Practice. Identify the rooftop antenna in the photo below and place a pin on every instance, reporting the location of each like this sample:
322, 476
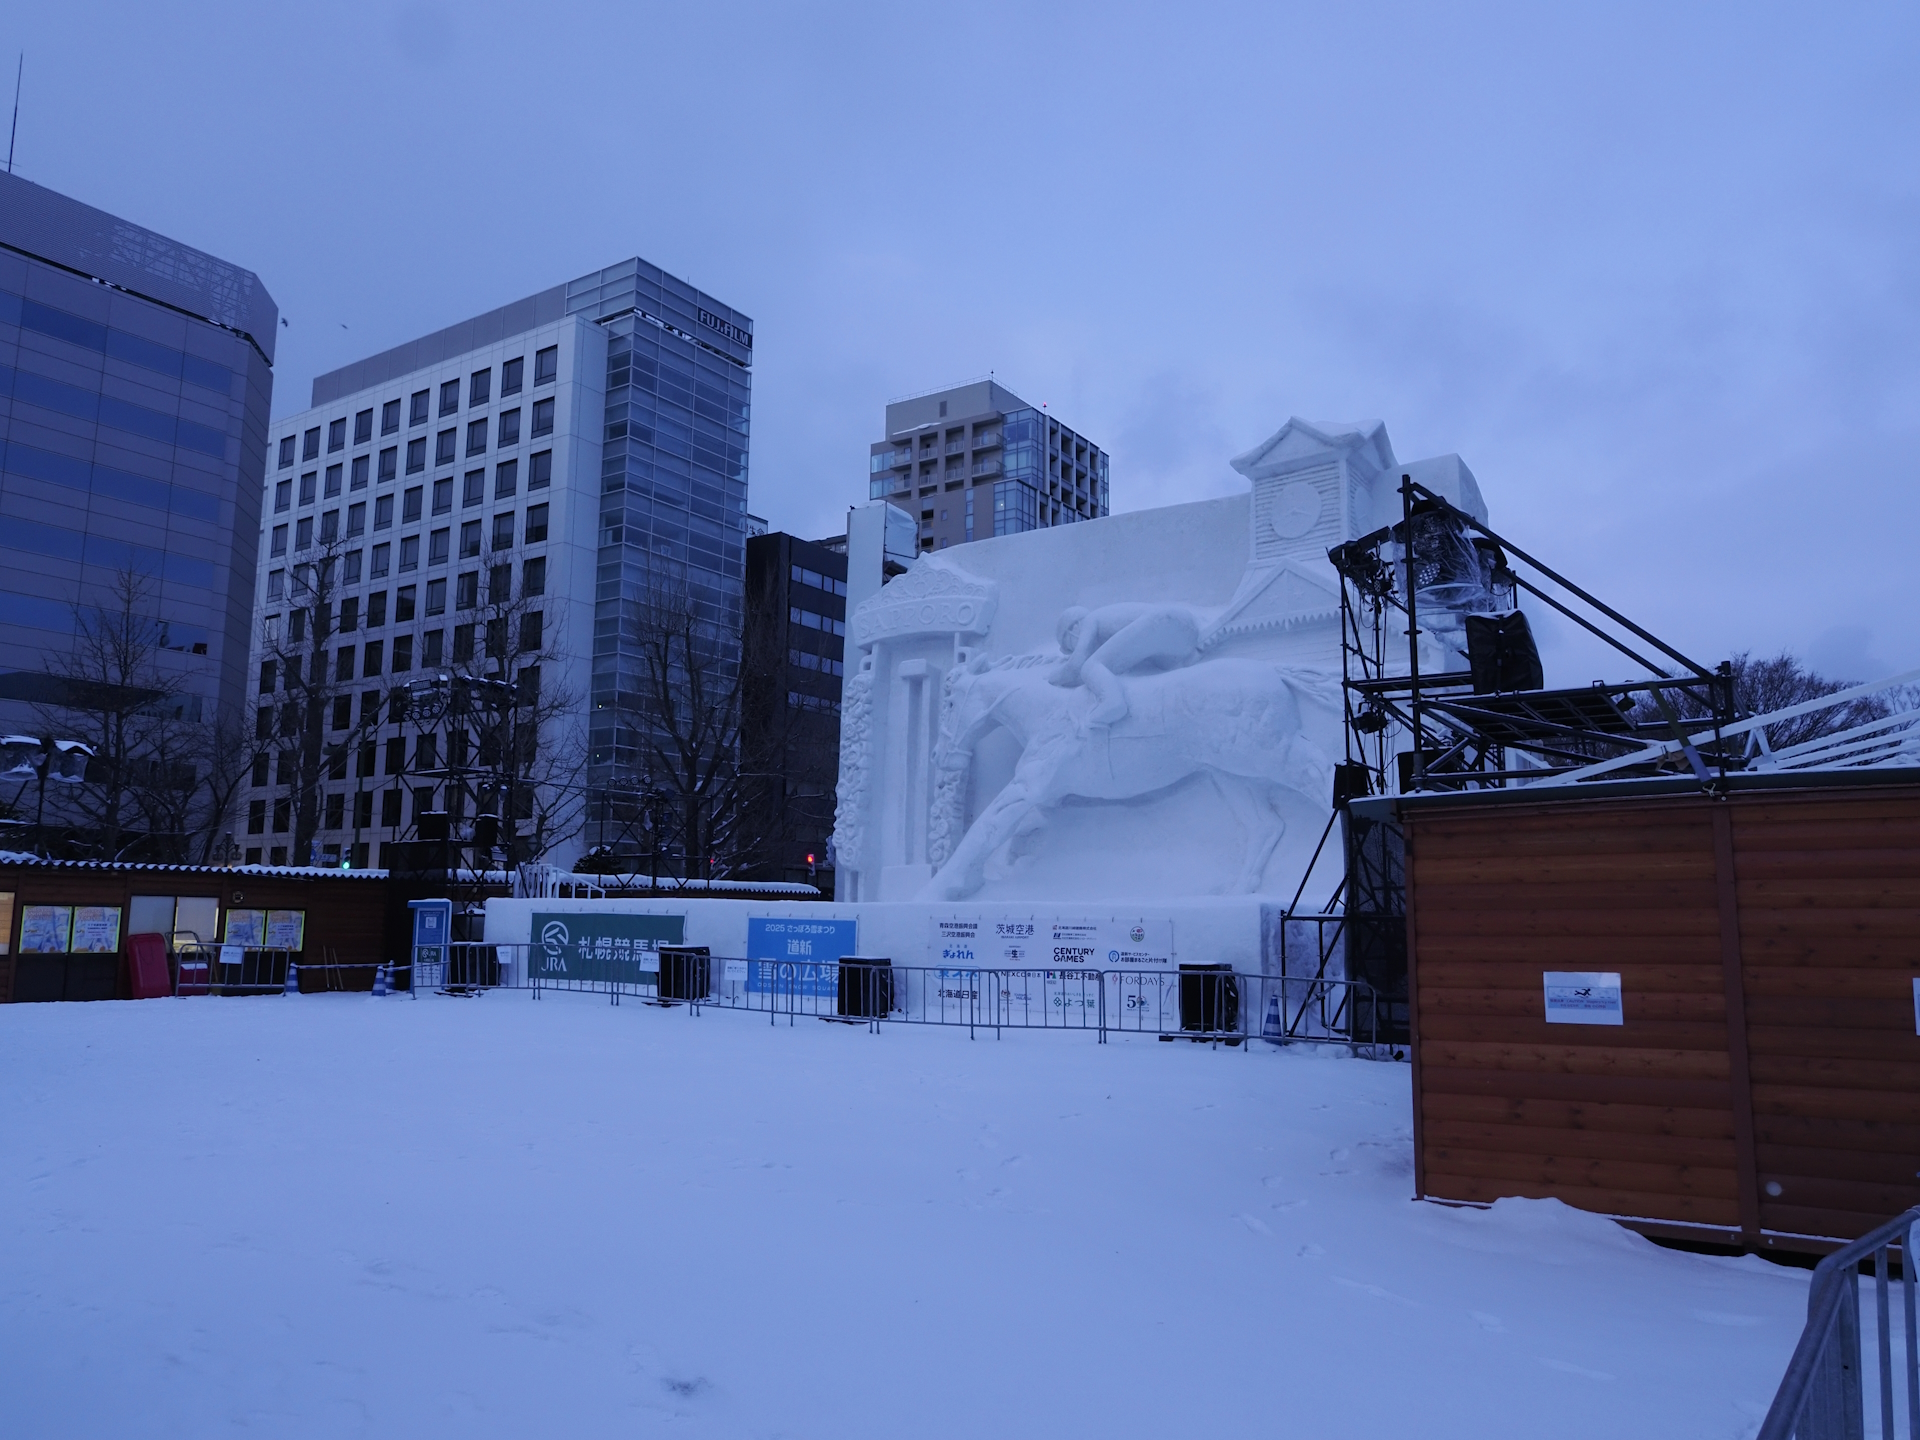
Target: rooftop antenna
18, 71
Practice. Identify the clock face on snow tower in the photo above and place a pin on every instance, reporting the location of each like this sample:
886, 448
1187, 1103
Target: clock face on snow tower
1295, 509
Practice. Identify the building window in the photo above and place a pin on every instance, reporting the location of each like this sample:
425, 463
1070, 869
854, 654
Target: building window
431, 645
256, 817
506, 479
438, 546
444, 446
403, 605
337, 435
377, 602
389, 464
363, 427
283, 496
531, 625
309, 487
376, 570
417, 409
350, 568
359, 473
343, 666
542, 417
436, 598
410, 553
333, 482
470, 540
303, 533
540, 470
462, 644
509, 428
310, 444
329, 527
474, 490
466, 594
534, 576
479, 387
477, 436
277, 579
503, 531
500, 584
546, 365
390, 807
356, 519
343, 712
349, 614
443, 495
410, 505
383, 513
371, 656
510, 377
402, 654
416, 455
390, 417
449, 397
286, 452
536, 524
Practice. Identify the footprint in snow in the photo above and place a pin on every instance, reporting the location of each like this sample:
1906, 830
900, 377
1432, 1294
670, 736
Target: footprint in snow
1721, 1317
1283, 1206
1309, 1250
1567, 1368
1490, 1323
1255, 1224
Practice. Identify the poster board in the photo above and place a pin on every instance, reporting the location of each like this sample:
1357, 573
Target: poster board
798, 957
599, 948
1048, 969
247, 928
6, 920
96, 930
286, 929
45, 929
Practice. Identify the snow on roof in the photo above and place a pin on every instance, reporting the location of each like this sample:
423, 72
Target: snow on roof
670, 882
294, 872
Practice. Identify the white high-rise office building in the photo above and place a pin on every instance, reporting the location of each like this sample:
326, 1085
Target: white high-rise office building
487, 501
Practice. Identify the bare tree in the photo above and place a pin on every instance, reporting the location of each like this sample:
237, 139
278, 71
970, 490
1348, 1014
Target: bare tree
224, 758
112, 692
709, 790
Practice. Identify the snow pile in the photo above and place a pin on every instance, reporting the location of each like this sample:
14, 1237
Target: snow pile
333, 1215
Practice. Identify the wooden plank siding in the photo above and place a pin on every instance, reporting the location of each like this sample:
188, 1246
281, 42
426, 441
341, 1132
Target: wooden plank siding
1765, 1109
345, 912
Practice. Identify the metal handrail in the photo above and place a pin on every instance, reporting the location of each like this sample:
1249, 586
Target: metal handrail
1821, 1396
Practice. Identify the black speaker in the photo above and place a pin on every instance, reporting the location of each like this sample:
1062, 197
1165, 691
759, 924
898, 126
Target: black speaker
1209, 999
1502, 655
431, 825
686, 972
1351, 781
866, 988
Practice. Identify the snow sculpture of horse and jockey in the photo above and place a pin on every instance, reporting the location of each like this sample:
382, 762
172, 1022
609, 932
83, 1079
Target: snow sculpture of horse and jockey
1127, 709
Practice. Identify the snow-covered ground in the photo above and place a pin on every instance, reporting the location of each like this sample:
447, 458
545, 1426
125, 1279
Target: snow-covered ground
338, 1216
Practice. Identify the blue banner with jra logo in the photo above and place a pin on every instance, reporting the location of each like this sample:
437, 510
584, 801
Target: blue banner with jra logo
798, 957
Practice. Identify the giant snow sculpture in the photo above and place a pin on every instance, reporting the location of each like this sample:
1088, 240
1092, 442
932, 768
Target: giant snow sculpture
1145, 706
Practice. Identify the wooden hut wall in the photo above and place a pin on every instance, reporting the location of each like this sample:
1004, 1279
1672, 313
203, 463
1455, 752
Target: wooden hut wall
1765, 1083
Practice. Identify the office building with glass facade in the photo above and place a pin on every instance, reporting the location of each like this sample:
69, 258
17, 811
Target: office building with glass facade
136, 382
977, 460
561, 454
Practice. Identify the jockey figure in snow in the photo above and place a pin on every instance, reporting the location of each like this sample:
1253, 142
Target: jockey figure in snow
1113, 640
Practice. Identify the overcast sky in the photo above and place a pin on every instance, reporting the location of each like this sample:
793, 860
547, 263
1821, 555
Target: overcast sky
1653, 271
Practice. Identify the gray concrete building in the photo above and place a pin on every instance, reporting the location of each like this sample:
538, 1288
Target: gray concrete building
136, 382
977, 460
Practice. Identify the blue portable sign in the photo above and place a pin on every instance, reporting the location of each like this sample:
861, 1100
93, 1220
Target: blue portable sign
798, 957
432, 929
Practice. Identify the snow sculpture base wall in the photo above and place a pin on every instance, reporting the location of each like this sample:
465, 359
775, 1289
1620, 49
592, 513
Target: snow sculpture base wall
1144, 707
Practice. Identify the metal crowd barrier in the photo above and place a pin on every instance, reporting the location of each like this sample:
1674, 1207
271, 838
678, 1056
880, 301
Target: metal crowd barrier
1822, 1396
200, 969
1202, 1003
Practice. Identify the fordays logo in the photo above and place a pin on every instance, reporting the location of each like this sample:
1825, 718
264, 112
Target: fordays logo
553, 938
